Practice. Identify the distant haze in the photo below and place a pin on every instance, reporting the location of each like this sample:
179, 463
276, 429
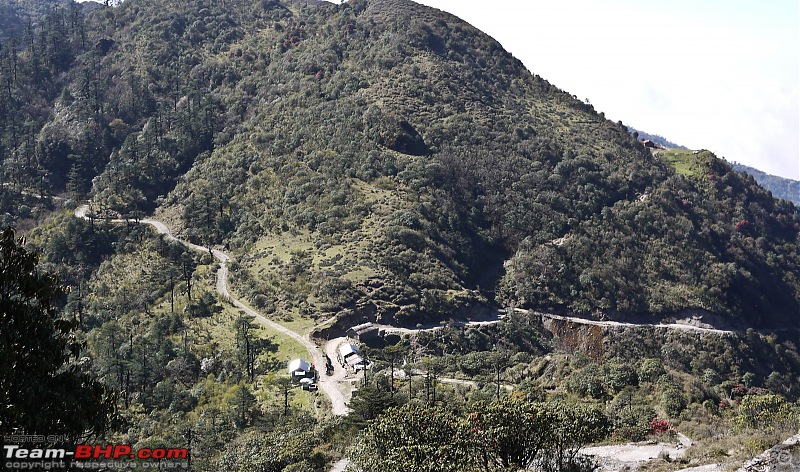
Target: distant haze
715, 74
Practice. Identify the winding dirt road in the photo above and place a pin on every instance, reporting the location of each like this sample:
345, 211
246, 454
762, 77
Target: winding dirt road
500, 316
328, 385
388, 329
612, 324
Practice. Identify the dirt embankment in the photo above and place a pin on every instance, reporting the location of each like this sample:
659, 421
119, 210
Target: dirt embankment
576, 337
783, 457
328, 386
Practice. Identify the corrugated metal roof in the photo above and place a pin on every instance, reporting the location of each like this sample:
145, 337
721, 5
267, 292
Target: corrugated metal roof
363, 328
354, 360
347, 349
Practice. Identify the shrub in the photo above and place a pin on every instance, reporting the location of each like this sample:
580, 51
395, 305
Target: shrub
650, 369
673, 402
659, 426
765, 412
633, 423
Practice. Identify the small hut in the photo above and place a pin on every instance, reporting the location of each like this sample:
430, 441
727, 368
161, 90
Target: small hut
349, 356
299, 369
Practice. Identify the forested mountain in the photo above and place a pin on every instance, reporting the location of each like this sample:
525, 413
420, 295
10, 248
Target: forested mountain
413, 168
780, 187
371, 161
20, 19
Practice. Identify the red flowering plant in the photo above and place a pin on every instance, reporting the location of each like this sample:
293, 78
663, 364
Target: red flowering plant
662, 429
742, 225
738, 391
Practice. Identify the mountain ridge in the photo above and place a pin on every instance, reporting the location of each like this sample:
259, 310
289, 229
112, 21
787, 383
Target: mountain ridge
408, 166
781, 187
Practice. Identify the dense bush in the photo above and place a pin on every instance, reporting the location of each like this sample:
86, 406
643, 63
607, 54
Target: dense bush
508, 434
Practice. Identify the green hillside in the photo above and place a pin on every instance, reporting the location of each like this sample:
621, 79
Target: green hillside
780, 187
371, 161
685, 162
420, 167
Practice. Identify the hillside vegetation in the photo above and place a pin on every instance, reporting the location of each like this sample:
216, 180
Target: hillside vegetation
787, 189
403, 137
780, 187
380, 160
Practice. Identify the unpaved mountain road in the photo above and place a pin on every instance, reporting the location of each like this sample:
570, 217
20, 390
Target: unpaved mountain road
499, 317
328, 385
619, 324
402, 372
673, 326
388, 329
341, 465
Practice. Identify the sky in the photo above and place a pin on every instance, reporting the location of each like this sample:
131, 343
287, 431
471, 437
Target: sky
721, 75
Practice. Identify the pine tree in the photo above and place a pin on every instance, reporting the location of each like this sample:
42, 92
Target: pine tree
42, 388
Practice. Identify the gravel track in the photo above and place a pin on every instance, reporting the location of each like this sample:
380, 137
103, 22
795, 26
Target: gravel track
328, 385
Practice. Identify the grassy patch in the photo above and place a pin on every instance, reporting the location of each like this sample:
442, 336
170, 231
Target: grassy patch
685, 162
284, 272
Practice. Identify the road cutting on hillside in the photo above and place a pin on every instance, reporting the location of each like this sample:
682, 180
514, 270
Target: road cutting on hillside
328, 385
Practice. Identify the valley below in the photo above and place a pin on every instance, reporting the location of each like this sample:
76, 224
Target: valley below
338, 384
304, 236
